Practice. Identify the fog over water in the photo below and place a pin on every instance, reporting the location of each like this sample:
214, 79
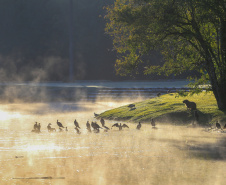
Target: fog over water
85, 90
166, 155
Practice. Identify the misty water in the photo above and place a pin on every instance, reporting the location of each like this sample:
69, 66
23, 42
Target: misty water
168, 154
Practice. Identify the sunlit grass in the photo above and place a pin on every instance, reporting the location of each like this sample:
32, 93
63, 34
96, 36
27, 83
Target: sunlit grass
166, 105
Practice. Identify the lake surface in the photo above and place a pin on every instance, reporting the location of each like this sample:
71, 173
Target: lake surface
166, 155
86, 90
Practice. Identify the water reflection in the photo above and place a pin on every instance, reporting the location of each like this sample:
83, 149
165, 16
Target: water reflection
4, 115
167, 155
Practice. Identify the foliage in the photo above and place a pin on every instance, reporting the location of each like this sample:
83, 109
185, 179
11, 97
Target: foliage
139, 26
190, 35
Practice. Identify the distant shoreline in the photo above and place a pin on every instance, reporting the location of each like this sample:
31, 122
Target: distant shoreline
86, 91
106, 84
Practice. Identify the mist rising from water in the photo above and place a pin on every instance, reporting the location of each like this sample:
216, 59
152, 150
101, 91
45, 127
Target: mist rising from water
167, 155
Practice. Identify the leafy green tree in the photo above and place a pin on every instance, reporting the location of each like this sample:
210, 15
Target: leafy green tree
190, 34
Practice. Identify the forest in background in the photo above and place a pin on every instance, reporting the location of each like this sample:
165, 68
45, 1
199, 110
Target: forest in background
34, 42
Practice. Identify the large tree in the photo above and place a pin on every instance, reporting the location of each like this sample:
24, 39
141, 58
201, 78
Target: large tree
190, 34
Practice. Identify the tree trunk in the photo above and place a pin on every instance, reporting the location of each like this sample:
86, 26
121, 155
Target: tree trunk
223, 41
221, 90
220, 94
218, 87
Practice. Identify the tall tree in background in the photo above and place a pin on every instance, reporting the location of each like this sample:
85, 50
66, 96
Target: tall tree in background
190, 34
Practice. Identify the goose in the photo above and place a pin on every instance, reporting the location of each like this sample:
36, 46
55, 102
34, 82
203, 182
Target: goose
139, 126
153, 122
50, 129
95, 126
36, 126
76, 124
96, 115
120, 126
218, 126
190, 105
59, 124
131, 105
103, 123
88, 126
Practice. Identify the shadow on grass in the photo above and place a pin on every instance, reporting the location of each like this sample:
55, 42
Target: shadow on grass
184, 117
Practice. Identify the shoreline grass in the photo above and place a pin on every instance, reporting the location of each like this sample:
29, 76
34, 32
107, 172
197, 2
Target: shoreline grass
169, 108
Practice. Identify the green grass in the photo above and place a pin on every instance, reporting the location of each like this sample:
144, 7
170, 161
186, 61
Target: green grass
169, 108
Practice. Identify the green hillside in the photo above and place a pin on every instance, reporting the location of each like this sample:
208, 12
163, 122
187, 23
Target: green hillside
169, 108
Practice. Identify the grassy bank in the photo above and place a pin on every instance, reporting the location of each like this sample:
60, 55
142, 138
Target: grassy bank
169, 108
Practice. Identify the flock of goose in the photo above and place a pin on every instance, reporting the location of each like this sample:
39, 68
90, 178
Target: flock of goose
93, 127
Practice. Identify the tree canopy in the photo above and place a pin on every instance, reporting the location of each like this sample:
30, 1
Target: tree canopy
190, 34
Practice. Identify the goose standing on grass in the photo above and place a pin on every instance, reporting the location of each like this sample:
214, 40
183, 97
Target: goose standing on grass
96, 115
190, 105
139, 126
132, 106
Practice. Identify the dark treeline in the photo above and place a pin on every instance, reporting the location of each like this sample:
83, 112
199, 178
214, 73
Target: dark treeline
34, 41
